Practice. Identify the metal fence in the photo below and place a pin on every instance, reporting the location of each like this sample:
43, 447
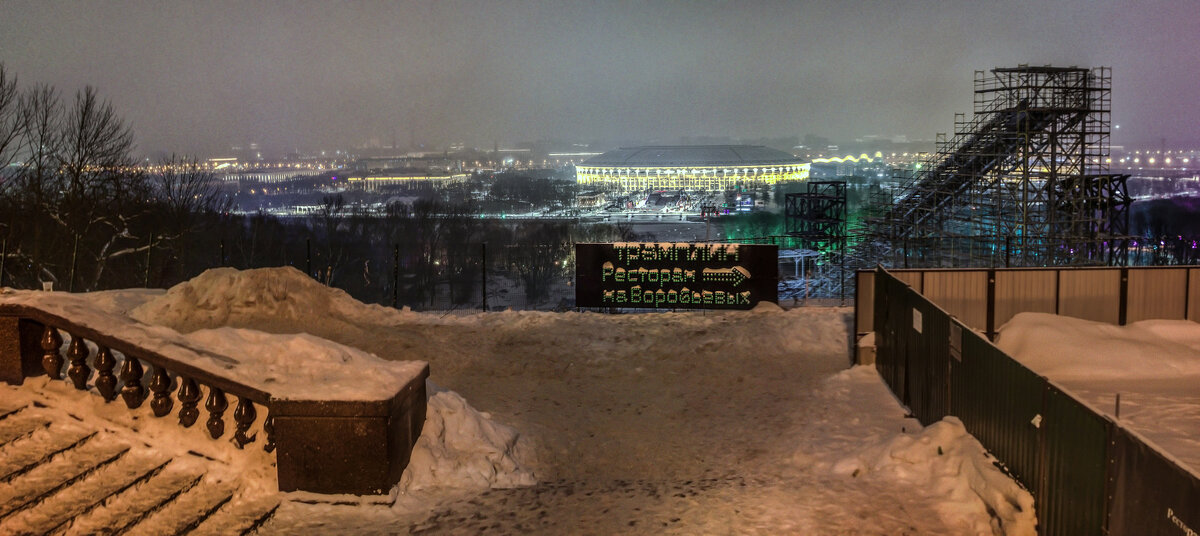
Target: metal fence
986, 298
1087, 473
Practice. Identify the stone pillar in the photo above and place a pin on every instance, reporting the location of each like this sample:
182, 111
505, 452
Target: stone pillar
20, 352
350, 447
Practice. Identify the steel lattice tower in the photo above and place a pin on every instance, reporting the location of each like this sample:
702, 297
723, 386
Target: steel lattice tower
1023, 182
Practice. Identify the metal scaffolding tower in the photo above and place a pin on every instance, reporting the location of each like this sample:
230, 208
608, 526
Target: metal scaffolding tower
817, 216
1023, 182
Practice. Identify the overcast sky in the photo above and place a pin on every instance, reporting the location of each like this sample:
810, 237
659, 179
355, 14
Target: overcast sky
197, 77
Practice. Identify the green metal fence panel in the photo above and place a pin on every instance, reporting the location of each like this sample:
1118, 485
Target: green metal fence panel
928, 369
879, 324
912, 348
888, 292
999, 402
1072, 499
1152, 493
900, 317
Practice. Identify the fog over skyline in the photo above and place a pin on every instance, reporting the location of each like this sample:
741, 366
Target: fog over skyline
197, 77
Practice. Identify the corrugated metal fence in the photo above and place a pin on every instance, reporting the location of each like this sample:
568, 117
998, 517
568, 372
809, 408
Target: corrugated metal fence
987, 298
1087, 474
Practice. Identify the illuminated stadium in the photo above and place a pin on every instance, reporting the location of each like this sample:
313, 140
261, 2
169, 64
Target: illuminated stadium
690, 167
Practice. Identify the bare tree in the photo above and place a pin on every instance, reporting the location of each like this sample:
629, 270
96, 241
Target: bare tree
10, 123
183, 195
328, 217
28, 194
9, 136
102, 193
74, 197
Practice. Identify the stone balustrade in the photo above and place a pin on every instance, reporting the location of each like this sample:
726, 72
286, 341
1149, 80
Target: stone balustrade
345, 441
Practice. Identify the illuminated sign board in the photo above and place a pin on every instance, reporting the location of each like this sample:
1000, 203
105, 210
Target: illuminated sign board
675, 275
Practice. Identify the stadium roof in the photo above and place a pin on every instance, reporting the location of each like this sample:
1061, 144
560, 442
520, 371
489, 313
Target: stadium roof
692, 155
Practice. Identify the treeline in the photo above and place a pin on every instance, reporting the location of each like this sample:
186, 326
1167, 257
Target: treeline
77, 210
430, 254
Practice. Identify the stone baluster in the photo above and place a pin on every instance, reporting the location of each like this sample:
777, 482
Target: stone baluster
160, 385
79, 372
106, 382
244, 415
216, 405
269, 429
52, 359
131, 374
189, 396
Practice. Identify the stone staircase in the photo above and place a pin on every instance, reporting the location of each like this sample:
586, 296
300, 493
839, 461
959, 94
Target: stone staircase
62, 475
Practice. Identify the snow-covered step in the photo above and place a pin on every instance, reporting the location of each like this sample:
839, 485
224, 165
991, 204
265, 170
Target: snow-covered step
188, 511
242, 515
72, 465
22, 423
8, 407
57, 511
127, 509
22, 455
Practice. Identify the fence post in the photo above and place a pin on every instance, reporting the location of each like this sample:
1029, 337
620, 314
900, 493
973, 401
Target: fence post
3, 256
308, 256
221, 252
483, 278
395, 275
146, 278
74, 256
1122, 314
990, 327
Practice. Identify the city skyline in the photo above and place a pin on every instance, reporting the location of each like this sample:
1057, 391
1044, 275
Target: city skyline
201, 78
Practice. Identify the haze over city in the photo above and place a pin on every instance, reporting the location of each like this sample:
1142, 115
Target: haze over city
198, 78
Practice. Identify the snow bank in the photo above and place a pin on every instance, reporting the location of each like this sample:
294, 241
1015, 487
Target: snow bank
947, 460
120, 302
463, 448
221, 296
1069, 349
305, 367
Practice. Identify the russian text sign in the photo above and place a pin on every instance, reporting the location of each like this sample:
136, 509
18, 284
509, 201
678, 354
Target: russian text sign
675, 275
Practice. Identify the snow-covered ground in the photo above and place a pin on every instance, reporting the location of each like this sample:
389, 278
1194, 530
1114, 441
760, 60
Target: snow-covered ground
1154, 365
688, 423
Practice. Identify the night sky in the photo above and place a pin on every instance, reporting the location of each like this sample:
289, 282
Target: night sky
198, 77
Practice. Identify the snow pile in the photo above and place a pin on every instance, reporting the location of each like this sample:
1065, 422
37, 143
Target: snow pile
304, 367
121, 302
1068, 349
221, 296
463, 448
946, 460
1183, 332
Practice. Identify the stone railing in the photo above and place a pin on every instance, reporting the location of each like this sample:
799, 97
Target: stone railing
351, 442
